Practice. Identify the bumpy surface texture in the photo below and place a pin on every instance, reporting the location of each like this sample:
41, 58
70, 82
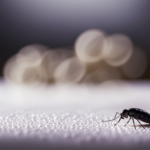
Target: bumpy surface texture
71, 117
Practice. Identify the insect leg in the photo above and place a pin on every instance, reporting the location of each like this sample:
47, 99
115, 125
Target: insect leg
128, 121
117, 122
140, 123
133, 123
116, 114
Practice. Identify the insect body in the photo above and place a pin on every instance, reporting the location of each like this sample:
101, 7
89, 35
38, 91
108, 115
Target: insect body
133, 113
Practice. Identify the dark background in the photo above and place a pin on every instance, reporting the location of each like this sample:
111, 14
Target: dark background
57, 23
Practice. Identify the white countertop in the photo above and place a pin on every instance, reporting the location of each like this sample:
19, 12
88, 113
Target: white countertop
71, 116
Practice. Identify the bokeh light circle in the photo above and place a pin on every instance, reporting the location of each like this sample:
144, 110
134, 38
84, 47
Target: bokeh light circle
89, 46
70, 70
118, 49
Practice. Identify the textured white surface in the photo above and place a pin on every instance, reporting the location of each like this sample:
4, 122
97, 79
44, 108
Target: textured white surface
71, 117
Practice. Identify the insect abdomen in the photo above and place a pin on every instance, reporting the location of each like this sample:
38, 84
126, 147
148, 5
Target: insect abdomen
143, 116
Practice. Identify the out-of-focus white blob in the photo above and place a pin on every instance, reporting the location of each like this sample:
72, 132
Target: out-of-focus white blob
70, 70
89, 46
33, 76
51, 59
31, 55
34, 67
12, 71
25, 67
15, 73
118, 49
103, 73
136, 65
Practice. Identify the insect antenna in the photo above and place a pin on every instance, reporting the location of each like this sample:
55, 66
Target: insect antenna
111, 120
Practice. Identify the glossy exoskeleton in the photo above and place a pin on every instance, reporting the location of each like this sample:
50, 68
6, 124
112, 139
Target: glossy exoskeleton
133, 113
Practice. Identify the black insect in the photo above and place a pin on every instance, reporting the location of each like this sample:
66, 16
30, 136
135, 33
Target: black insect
133, 113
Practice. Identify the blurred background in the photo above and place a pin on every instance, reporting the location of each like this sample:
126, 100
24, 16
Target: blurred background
88, 41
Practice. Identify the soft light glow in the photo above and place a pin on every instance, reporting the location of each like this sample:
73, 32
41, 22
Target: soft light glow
103, 73
96, 60
24, 67
118, 50
23, 74
89, 46
12, 71
70, 70
31, 55
51, 59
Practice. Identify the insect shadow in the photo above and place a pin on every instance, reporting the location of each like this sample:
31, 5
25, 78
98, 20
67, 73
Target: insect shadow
143, 125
